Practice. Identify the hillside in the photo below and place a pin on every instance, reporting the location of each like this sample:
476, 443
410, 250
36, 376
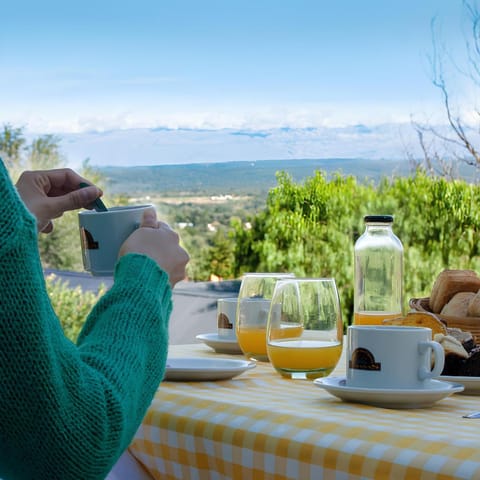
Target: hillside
243, 178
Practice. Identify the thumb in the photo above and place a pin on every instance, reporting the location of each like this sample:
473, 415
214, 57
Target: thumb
149, 218
81, 198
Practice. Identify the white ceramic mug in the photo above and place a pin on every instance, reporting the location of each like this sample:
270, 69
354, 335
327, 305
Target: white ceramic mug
226, 317
392, 357
102, 235
253, 312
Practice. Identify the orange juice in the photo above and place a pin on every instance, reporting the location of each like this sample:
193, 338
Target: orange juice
286, 330
313, 357
373, 318
253, 342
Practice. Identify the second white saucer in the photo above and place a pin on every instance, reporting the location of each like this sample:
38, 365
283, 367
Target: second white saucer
389, 398
471, 384
220, 344
205, 369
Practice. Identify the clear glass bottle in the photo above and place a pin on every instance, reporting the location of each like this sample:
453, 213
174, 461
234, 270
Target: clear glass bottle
378, 265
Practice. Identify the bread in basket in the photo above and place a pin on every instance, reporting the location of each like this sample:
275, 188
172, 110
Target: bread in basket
467, 324
455, 300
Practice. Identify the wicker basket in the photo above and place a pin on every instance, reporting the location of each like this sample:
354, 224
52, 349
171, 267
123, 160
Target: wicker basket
467, 324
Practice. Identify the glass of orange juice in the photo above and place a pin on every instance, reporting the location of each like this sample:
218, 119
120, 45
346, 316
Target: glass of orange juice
253, 306
305, 328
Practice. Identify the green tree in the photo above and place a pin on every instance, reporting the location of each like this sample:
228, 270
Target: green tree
12, 147
219, 257
72, 305
310, 228
44, 153
306, 229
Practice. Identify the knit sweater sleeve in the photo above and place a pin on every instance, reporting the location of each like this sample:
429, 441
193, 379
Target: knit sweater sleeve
68, 411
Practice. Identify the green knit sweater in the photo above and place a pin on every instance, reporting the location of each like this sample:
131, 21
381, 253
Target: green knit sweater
68, 411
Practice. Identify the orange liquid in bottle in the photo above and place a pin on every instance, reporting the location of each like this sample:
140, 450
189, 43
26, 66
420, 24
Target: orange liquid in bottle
373, 318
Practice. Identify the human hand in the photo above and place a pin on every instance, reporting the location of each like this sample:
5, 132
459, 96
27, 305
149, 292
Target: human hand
48, 194
158, 241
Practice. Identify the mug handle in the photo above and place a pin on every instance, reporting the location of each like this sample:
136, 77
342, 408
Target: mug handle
439, 359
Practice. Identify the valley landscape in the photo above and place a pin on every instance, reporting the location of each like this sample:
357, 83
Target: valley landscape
201, 200
253, 178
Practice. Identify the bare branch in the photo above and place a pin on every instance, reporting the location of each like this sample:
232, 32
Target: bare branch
459, 137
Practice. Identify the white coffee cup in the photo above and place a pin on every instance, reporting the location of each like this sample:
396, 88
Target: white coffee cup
392, 357
253, 312
103, 233
226, 317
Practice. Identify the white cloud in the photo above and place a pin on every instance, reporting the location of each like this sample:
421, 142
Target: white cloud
84, 118
173, 146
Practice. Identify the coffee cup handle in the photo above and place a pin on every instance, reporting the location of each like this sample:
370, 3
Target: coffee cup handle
439, 358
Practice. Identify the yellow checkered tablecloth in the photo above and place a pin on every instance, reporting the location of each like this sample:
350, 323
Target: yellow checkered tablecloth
261, 426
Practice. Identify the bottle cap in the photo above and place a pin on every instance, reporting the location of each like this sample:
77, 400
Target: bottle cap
378, 218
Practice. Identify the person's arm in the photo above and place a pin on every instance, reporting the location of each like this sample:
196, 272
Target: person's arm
68, 411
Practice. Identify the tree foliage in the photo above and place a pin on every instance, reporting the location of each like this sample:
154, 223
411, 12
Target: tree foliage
72, 305
310, 229
44, 153
12, 145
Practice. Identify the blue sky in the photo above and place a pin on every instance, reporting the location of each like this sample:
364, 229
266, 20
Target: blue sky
100, 65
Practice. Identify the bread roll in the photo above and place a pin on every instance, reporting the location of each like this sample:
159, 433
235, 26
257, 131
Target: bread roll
465, 338
451, 345
474, 306
455, 354
450, 282
458, 304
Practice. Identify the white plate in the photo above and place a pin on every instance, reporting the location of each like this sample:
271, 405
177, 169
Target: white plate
195, 369
219, 344
471, 384
389, 398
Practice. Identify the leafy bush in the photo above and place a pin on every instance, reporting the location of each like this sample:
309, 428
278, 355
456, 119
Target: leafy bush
310, 229
72, 305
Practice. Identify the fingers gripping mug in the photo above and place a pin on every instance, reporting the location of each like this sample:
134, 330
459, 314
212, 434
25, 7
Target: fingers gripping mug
103, 233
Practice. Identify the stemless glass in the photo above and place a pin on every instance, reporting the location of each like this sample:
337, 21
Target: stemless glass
305, 329
254, 298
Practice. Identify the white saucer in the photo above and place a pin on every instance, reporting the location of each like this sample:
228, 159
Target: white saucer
195, 369
219, 344
471, 384
389, 398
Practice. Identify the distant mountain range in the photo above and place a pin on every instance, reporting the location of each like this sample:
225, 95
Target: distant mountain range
164, 146
240, 178
241, 161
